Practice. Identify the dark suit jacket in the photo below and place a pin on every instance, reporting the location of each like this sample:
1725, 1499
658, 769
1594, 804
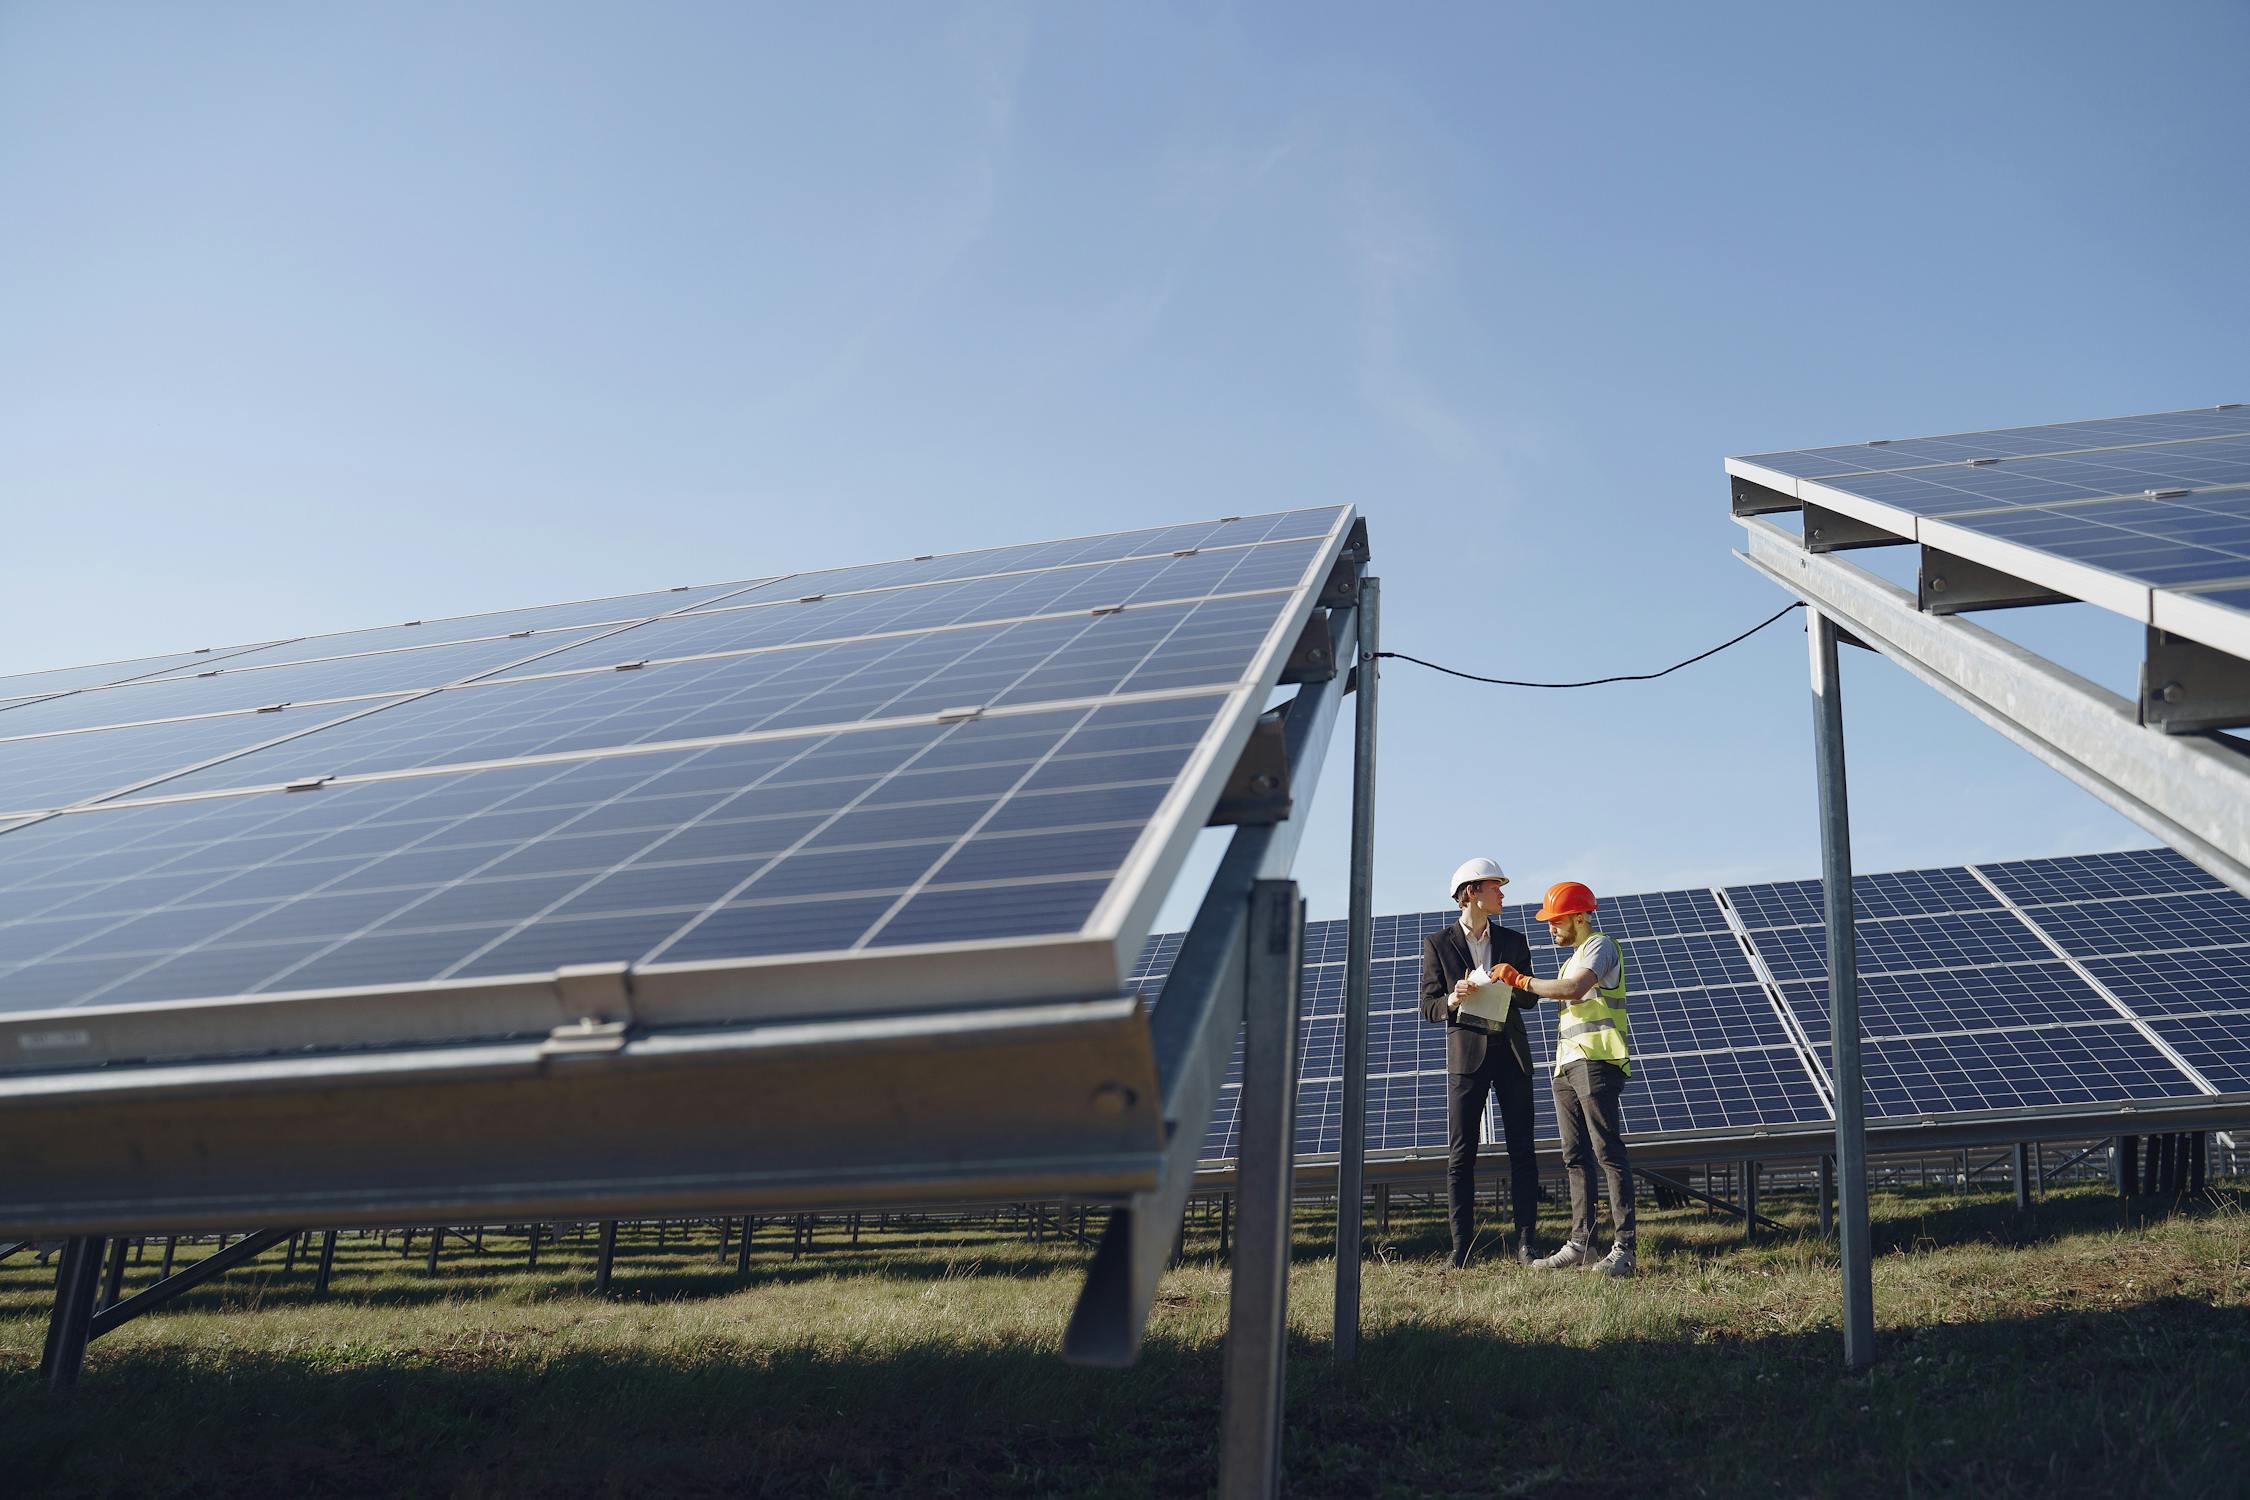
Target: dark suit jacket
1445, 958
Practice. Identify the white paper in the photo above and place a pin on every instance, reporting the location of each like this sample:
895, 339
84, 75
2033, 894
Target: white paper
1490, 1001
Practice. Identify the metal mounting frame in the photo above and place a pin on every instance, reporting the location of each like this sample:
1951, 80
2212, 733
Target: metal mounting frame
2192, 792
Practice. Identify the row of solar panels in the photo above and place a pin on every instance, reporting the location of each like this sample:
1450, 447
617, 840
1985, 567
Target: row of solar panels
2147, 515
940, 752
2091, 980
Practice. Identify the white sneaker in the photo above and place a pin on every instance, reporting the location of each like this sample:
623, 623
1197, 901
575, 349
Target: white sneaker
1619, 1262
1562, 1260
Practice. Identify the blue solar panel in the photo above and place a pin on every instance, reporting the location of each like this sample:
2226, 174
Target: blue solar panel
2095, 1063
2215, 1044
2105, 434
2153, 924
937, 606
1163, 648
2098, 877
389, 672
55, 770
780, 846
23, 686
2167, 984
1896, 1005
617, 610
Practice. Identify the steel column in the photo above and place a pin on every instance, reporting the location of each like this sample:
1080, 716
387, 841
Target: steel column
1359, 958
327, 1263
1843, 993
2023, 1178
1258, 1307
1827, 1196
1750, 1200
606, 1257
78, 1274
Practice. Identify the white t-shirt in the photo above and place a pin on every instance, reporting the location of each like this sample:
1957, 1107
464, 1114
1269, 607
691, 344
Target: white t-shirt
1598, 953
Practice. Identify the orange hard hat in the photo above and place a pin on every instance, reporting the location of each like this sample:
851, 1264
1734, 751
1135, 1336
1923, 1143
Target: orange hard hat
1565, 897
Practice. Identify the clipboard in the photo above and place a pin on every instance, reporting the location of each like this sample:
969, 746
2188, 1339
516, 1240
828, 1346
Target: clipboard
1487, 1008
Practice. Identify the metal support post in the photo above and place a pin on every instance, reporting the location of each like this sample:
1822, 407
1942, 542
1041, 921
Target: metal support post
606, 1257
437, 1239
1226, 1224
1843, 993
1258, 1307
1359, 958
1827, 1195
2023, 1178
726, 1236
2199, 1156
1749, 1200
77, 1281
327, 1263
171, 1244
2125, 1165
113, 1277
742, 1247
531, 1247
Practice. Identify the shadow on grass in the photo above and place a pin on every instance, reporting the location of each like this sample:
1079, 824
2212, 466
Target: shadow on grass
2123, 1400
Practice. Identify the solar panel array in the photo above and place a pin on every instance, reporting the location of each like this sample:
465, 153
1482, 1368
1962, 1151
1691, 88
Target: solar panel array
942, 751
2091, 980
2148, 515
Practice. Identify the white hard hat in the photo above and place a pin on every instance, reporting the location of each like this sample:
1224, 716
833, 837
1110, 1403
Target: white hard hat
1476, 869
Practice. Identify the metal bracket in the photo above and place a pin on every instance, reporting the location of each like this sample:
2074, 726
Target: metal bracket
1953, 585
602, 997
2187, 686
1752, 499
1258, 790
1312, 659
1342, 587
1832, 531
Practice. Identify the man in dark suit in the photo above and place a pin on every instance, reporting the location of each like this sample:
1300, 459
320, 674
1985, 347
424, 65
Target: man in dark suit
1482, 1057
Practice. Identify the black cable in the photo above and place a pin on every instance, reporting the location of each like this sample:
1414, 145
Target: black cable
1599, 681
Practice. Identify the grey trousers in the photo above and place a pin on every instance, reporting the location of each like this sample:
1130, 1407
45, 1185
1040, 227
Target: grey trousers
1593, 1130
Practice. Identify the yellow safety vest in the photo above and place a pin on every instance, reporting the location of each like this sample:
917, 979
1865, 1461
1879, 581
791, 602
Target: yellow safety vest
1593, 1026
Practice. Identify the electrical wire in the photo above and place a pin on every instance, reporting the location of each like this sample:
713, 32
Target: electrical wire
1599, 681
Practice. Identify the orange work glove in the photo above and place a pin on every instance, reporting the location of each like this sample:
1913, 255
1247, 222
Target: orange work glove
1511, 976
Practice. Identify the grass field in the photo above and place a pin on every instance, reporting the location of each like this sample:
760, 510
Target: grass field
2089, 1349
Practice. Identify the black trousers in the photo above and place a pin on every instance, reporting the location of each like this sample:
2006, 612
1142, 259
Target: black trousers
1464, 1113
1593, 1130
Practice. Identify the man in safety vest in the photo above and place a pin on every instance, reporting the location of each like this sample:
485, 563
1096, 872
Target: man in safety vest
1591, 1066
1486, 1049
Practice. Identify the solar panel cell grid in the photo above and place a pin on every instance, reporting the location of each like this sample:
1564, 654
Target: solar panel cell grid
2100, 1063
1986, 1000
621, 609
2009, 442
2217, 1045
229, 692
2159, 924
52, 771
671, 855
2098, 877
2174, 985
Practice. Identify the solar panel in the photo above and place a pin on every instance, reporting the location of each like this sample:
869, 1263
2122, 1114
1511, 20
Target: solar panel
746, 830
1964, 1007
2149, 516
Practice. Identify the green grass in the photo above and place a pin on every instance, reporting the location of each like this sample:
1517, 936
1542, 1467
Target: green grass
2090, 1349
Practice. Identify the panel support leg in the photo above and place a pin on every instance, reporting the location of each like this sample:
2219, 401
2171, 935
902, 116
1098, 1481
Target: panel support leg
70, 1324
327, 1263
1359, 955
742, 1247
1258, 1309
1843, 993
2023, 1178
1827, 1195
2125, 1162
605, 1257
1749, 1200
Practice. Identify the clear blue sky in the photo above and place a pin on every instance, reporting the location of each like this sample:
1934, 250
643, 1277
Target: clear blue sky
317, 317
